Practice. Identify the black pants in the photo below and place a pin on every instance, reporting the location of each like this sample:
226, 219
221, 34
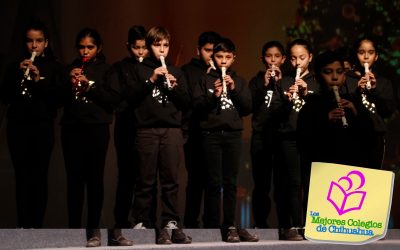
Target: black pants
30, 146
262, 158
222, 155
85, 148
288, 184
160, 152
195, 182
373, 151
127, 163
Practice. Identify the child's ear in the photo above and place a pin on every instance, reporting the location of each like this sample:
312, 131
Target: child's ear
99, 49
198, 51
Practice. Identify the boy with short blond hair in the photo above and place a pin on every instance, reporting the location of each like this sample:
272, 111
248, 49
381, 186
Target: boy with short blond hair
159, 142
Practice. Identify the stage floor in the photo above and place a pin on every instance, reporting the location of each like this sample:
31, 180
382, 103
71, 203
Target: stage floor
144, 239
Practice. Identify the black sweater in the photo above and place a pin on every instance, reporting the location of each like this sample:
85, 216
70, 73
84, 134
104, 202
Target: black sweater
46, 94
264, 100
155, 105
194, 71
286, 114
382, 96
327, 141
102, 97
216, 113
123, 72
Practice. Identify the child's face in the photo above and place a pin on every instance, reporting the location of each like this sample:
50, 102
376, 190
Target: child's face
366, 53
333, 74
35, 41
160, 48
300, 57
224, 59
139, 49
273, 56
205, 52
87, 48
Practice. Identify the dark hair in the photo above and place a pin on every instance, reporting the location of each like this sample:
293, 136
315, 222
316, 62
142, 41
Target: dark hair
301, 42
136, 32
306, 45
272, 44
36, 24
88, 32
358, 42
324, 59
225, 45
156, 34
92, 33
208, 37
356, 46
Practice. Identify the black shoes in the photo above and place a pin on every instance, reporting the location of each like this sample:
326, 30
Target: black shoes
178, 236
163, 237
93, 242
234, 235
245, 236
115, 238
119, 241
290, 234
301, 231
94, 238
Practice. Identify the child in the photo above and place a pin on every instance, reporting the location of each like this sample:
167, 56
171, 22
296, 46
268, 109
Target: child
264, 127
159, 96
33, 89
329, 129
221, 101
85, 132
294, 93
377, 96
194, 70
124, 136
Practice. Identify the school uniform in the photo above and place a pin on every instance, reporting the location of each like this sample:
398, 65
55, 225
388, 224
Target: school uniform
194, 70
263, 140
30, 133
380, 104
289, 173
159, 141
85, 136
124, 142
323, 140
221, 127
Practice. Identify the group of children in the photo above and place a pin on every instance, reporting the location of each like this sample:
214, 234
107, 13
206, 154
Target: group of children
165, 115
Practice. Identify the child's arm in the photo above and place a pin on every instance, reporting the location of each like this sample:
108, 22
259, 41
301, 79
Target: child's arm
179, 91
204, 101
240, 95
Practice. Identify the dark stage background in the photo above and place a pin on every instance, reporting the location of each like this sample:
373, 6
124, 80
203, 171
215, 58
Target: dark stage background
248, 23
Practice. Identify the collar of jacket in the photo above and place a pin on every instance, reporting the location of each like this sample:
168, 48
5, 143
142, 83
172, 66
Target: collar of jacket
199, 63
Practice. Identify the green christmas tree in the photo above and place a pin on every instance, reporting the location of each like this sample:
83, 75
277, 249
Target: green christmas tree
332, 24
